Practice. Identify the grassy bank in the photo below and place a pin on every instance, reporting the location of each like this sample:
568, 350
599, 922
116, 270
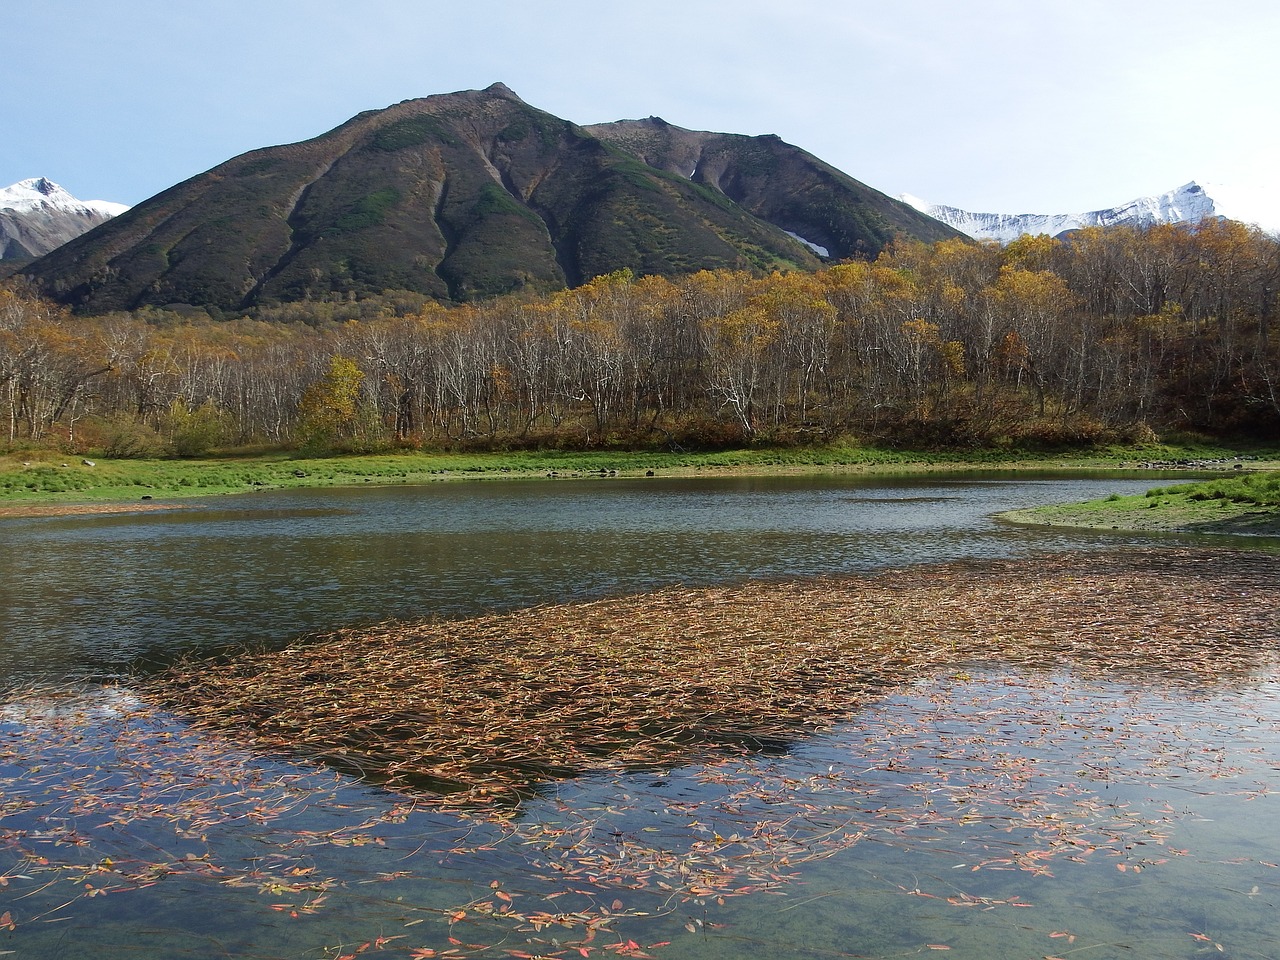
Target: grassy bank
1238, 504
53, 480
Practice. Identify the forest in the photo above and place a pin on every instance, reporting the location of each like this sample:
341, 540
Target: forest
1114, 334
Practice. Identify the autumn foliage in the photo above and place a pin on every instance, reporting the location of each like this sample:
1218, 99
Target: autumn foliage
1118, 333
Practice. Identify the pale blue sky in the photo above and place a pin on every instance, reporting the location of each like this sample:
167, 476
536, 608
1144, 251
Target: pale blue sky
1007, 106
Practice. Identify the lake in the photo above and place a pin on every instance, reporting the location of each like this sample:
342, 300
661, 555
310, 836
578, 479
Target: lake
1001, 813
92, 596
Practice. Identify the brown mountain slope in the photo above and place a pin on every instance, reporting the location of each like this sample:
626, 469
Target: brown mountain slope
779, 183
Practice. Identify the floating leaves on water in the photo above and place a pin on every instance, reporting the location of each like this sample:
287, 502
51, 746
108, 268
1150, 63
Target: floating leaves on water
475, 721
481, 709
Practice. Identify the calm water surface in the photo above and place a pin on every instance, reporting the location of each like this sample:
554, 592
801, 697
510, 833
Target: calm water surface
1006, 814
92, 596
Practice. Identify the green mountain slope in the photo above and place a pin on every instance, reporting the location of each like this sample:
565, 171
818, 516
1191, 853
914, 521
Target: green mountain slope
463, 196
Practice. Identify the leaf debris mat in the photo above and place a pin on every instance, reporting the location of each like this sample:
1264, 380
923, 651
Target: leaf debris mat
483, 709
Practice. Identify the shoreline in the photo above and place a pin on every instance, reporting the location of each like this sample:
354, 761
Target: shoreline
49, 489
1237, 520
26, 510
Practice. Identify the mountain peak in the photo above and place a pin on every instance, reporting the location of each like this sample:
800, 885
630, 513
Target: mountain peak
500, 89
34, 192
39, 193
37, 216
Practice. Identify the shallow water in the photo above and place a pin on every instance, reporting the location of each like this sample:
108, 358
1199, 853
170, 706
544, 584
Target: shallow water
1004, 814
1001, 814
95, 596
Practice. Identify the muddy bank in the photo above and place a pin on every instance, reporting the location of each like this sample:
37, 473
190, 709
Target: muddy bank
78, 509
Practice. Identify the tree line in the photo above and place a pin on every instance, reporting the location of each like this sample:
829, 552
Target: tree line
1115, 333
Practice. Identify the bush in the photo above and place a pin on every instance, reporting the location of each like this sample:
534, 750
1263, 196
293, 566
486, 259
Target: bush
195, 432
124, 438
1054, 434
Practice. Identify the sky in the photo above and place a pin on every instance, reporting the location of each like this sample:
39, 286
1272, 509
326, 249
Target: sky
993, 106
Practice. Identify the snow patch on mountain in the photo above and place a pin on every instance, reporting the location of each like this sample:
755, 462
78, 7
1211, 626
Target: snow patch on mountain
1187, 204
39, 193
819, 250
38, 215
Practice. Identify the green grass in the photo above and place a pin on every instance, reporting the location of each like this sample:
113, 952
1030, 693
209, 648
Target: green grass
48, 477
1241, 503
1251, 489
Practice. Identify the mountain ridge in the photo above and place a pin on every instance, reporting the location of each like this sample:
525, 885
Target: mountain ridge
748, 170
1189, 203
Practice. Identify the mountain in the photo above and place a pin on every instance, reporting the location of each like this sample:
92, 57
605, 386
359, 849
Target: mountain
37, 216
834, 215
465, 195
1187, 204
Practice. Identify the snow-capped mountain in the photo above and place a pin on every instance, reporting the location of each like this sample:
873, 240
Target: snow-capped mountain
37, 215
1187, 204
